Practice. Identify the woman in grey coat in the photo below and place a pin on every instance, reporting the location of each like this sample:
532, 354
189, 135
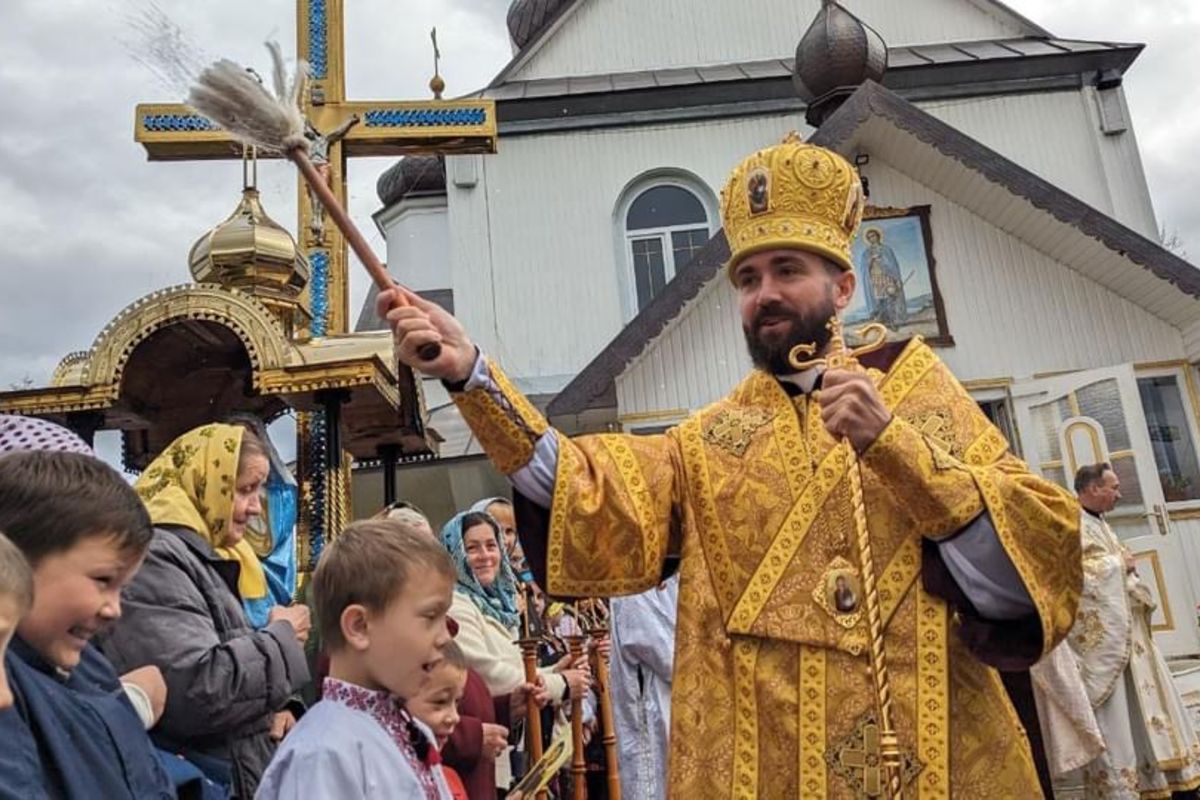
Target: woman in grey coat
226, 682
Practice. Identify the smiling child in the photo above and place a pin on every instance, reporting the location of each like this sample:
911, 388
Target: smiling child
71, 731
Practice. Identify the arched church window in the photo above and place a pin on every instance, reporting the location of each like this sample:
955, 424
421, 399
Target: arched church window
666, 223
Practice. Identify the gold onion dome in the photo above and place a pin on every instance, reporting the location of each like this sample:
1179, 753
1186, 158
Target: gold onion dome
252, 252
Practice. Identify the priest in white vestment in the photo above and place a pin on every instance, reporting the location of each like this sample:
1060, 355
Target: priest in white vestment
1070, 734
643, 656
1151, 749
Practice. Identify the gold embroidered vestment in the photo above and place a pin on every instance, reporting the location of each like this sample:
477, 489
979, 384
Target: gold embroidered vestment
772, 695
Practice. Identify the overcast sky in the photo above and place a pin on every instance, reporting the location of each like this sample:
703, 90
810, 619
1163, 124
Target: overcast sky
87, 225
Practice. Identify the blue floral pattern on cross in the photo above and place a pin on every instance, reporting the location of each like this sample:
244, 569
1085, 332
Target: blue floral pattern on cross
319, 288
318, 40
424, 117
163, 123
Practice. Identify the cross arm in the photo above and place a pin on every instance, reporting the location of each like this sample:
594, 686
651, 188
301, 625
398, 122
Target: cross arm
174, 132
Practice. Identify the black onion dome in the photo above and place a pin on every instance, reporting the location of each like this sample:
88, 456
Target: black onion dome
412, 175
527, 18
837, 54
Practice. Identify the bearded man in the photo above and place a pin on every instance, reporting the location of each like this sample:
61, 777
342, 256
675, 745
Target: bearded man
772, 695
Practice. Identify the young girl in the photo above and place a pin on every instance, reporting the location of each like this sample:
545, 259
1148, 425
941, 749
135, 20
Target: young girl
184, 613
437, 705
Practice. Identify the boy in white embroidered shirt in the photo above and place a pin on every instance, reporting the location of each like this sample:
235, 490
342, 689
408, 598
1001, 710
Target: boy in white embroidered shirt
381, 593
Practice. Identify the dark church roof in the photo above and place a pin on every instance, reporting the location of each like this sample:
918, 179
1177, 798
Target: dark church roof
916, 72
412, 176
594, 386
527, 19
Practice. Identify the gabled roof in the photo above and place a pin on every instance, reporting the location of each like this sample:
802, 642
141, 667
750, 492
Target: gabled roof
920, 72
999, 51
1045, 216
539, 19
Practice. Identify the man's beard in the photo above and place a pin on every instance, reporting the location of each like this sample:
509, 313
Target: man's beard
771, 354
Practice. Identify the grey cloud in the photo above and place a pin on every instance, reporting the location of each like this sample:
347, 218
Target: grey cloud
88, 224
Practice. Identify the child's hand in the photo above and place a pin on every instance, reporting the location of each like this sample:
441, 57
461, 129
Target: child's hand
299, 617
150, 680
281, 724
495, 740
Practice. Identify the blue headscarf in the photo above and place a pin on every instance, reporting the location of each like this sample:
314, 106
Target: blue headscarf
498, 601
516, 558
273, 537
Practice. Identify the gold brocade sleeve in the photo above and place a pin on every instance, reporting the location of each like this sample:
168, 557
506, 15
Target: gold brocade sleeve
938, 493
945, 463
506, 423
614, 516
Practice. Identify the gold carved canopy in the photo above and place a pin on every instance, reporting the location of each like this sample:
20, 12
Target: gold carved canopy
187, 355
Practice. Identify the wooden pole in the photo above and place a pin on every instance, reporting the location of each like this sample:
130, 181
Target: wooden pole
354, 237
600, 676
578, 759
533, 713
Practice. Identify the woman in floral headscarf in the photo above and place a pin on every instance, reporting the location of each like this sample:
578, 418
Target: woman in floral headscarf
183, 611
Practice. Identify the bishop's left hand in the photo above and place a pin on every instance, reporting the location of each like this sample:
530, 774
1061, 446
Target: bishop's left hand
852, 407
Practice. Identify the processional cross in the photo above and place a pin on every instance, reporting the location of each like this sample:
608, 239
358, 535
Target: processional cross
174, 132
339, 129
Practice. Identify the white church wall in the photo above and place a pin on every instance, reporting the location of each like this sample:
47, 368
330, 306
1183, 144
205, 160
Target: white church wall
538, 230
603, 36
696, 361
1191, 342
1013, 313
537, 270
418, 237
1057, 136
1122, 161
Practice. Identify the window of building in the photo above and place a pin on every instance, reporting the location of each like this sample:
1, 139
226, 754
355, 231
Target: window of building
666, 222
999, 413
1167, 409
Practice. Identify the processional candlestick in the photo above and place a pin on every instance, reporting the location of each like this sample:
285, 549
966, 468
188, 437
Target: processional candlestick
578, 758
841, 357
597, 629
529, 643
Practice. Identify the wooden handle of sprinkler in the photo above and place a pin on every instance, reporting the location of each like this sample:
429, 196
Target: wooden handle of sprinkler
600, 671
353, 235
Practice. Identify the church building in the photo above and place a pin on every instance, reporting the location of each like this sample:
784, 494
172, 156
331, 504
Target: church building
1009, 223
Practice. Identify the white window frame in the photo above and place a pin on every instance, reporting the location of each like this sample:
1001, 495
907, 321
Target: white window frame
664, 236
623, 238
1186, 380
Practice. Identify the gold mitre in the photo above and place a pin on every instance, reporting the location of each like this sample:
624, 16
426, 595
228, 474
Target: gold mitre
792, 196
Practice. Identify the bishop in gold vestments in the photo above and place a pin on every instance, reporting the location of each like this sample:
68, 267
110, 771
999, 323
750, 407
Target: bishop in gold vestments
772, 694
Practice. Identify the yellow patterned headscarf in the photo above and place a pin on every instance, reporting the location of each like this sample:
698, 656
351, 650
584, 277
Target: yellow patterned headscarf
192, 483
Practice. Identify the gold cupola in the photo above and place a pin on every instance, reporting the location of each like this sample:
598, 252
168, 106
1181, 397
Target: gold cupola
251, 252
